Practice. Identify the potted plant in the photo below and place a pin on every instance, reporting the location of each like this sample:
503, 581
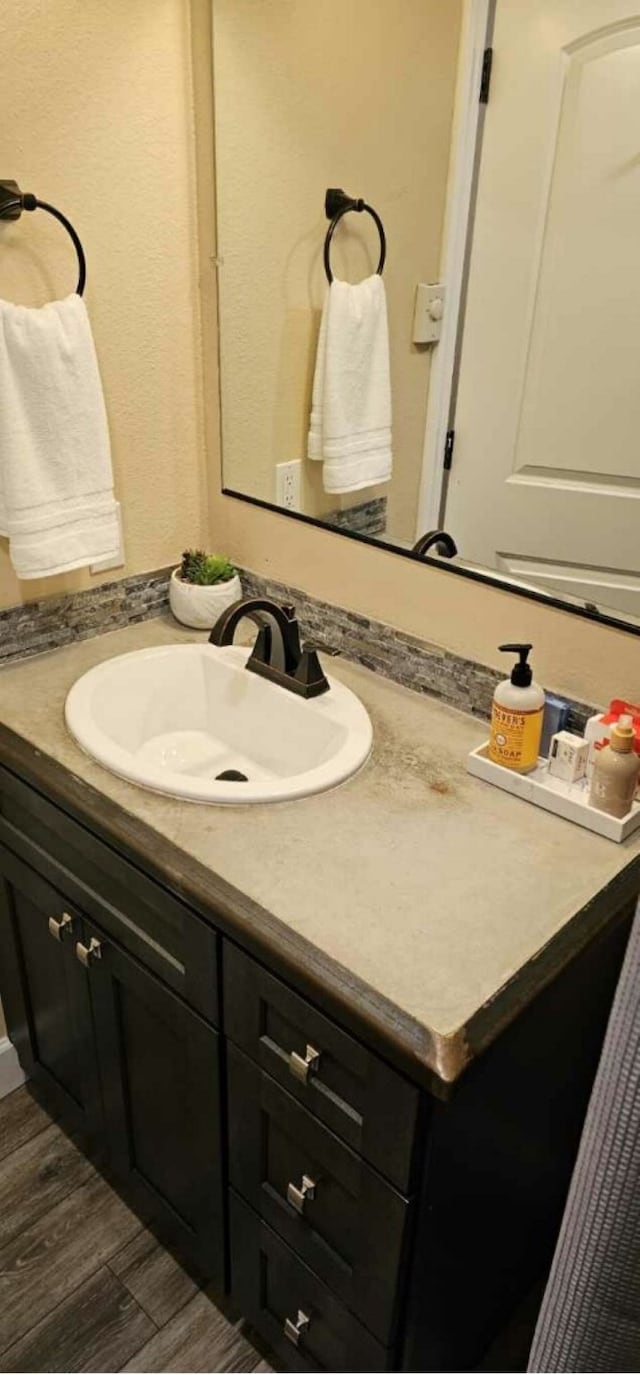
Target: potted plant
202, 587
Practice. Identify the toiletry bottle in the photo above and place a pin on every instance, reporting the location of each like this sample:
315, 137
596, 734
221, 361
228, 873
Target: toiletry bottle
516, 716
615, 773
556, 717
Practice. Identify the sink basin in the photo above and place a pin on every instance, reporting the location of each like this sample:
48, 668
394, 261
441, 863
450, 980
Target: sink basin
175, 718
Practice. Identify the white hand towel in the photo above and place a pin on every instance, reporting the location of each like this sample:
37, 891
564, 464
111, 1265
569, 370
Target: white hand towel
56, 485
350, 424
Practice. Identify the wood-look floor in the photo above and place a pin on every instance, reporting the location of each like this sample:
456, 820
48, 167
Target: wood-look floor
83, 1285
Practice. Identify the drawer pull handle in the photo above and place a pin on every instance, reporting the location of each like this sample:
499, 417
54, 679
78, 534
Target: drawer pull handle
295, 1330
88, 954
302, 1066
61, 930
298, 1197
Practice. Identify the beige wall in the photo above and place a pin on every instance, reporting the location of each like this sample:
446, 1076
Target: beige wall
351, 93
93, 88
96, 116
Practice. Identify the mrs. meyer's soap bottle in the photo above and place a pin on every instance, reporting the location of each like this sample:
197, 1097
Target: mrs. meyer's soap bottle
516, 716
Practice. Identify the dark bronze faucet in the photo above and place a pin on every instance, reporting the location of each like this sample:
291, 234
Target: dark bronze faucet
277, 653
438, 540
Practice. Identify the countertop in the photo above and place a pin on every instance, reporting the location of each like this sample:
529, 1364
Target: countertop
437, 903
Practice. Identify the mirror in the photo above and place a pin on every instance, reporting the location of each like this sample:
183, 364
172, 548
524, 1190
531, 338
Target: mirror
484, 382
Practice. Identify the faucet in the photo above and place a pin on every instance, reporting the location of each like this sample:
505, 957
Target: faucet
277, 653
438, 539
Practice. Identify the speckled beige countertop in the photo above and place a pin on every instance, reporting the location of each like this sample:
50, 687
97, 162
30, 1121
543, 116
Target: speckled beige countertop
435, 892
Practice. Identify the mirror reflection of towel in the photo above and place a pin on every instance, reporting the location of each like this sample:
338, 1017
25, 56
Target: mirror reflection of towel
56, 485
350, 425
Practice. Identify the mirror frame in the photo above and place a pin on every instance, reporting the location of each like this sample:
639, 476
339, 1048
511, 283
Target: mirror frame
569, 604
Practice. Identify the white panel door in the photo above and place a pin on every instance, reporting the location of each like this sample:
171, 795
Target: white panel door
545, 481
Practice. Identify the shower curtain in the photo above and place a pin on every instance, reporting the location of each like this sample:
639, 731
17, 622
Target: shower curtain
590, 1315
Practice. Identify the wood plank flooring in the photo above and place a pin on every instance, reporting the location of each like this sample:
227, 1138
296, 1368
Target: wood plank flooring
84, 1286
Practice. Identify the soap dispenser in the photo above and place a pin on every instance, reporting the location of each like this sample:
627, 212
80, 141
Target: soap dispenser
516, 715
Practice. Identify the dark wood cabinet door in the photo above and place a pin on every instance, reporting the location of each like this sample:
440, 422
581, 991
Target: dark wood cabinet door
159, 1065
46, 997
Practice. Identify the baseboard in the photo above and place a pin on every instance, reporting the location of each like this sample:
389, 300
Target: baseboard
11, 1074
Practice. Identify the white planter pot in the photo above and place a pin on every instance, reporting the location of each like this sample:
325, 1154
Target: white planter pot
200, 607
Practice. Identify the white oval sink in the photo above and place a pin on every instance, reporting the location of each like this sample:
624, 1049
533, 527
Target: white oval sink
175, 718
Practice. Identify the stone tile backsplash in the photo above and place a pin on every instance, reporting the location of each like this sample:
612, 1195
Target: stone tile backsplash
416, 664
55, 621
367, 518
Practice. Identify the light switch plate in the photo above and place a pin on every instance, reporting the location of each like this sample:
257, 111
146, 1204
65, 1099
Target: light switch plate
428, 313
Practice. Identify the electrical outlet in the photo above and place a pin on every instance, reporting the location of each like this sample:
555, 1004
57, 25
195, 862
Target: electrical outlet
288, 477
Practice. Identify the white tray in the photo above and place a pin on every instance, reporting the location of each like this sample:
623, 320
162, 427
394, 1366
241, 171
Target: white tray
569, 800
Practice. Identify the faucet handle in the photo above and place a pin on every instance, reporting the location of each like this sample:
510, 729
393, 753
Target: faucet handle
309, 670
318, 647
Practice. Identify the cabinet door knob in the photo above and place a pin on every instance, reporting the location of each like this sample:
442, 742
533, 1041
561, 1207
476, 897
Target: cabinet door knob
295, 1330
63, 929
88, 954
301, 1066
297, 1197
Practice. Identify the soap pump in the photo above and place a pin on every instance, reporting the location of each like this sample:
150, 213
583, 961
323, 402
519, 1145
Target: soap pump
516, 715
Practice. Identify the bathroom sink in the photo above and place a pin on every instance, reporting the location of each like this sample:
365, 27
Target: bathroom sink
177, 718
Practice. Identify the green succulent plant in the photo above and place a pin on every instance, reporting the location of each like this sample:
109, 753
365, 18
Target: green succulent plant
205, 569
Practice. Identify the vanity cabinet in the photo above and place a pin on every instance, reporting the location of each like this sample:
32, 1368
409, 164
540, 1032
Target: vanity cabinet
365, 1215
118, 1057
96, 1013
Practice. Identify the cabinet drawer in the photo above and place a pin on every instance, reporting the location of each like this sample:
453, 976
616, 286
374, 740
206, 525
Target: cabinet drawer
139, 913
336, 1213
276, 1292
353, 1092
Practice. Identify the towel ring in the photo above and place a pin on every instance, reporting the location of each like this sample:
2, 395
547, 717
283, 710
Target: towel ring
337, 204
13, 201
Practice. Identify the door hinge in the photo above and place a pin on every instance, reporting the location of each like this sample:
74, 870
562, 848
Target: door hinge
448, 449
485, 79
